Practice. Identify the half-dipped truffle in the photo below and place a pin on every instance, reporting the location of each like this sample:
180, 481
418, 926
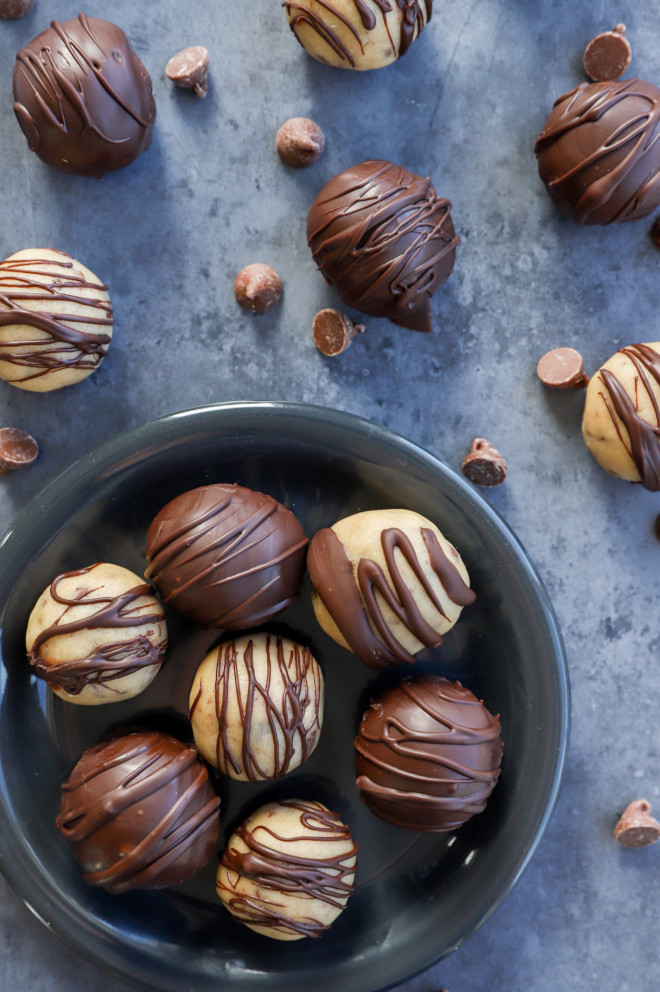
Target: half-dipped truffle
226, 556
386, 583
139, 812
83, 98
599, 151
384, 238
427, 754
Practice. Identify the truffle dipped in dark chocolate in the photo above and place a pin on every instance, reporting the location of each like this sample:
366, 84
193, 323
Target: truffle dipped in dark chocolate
384, 238
599, 151
226, 556
427, 755
83, 97
139, 812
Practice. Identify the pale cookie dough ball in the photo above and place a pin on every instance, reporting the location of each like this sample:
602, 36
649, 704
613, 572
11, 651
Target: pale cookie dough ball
386, 584
55, 320
621, 423
357, 34
256, 706
97, 635
288, 870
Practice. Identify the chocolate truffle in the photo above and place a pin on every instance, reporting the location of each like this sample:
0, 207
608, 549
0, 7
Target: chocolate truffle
599, 152
256, 706
621, 423
97, 635
357, 34
226, 556
55, 320
289, 869
83, 97
385, 239
386, 583
427, 755
139, 812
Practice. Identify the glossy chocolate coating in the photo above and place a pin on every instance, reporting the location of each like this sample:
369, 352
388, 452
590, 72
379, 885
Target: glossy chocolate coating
599, 152
226, 556
385, 239
428, 755
139, 812
83, 97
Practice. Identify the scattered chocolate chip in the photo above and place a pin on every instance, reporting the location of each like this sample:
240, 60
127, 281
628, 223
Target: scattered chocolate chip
562, 368
607, 56
190, 69
655, 233
637, 828
334, 331
484, 466
300, 142
15, 8
17, 449
258, 287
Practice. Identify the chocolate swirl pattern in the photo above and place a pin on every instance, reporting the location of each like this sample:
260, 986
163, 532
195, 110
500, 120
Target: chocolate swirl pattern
428, 755
599, 152
139, 812
384, 238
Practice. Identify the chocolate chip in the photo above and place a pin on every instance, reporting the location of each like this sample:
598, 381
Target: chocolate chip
334, 331
637, 828
258, 287
562, 368
607, 56
190, 69
15, 8
300, 142
484, 466
17, 449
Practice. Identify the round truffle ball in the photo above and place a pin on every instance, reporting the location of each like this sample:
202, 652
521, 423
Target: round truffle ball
83, 98
97, 635
256, 706
427, 755
385, 239
139, 812
289, 869
621, 423
357, 34
386, 583
599, 152
226, 556
55, 320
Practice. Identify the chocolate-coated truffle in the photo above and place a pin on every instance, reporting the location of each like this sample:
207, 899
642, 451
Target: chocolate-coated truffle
139, 812
226, 556
385, 239
599, 152
427, 755
83, 97
289, 869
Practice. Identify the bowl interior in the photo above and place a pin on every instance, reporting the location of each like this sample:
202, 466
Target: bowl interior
417, 895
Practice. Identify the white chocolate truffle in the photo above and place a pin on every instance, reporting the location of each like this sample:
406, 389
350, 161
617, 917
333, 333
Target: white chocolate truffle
386, 584
621, 423
289, 869
357, 34
55, 320
256, 706
97, 635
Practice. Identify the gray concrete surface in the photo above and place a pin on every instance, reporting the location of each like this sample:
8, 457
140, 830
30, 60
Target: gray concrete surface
168, 235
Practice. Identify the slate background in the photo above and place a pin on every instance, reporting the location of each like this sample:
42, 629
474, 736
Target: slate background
169, 234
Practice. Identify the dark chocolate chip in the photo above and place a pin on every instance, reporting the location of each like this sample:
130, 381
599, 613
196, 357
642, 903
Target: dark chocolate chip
300, 142
484, 466
334, 331
17, 449
607, 56
258, 287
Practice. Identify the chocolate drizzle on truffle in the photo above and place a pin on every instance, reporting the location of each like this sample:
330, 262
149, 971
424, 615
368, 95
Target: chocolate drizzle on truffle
428, 755
354, 605
385, 239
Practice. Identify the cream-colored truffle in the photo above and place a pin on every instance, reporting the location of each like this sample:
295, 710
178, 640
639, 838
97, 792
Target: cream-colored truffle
357, 34
256, 706
289, 869
97, 635
55, 320
621, 423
